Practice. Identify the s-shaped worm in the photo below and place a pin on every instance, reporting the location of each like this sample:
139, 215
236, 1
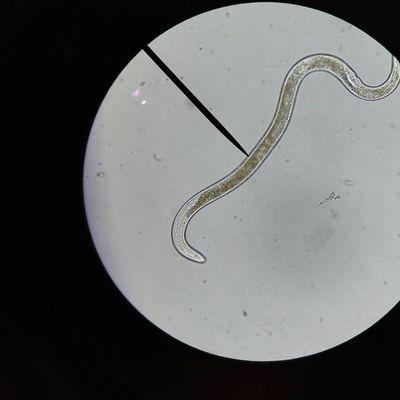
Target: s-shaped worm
317, 62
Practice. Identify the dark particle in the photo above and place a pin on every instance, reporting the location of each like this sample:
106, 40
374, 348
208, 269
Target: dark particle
244, 313
142, 83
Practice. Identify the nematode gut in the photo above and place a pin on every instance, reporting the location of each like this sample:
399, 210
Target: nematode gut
317, 62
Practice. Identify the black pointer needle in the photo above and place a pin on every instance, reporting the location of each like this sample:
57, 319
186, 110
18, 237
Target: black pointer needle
192, 97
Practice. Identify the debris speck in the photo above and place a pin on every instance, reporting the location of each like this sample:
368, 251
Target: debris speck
157, 158
100, 174
385, 283
349, 182
321, 319
332, 196
333, 214
245, 313
142, 83
227, 14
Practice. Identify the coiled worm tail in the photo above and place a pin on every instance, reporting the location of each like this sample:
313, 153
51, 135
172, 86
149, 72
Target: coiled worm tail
317, 62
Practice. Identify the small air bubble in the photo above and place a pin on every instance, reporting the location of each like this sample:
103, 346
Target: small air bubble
100, 174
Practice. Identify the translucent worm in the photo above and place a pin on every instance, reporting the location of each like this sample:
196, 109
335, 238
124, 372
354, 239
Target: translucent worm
317, 62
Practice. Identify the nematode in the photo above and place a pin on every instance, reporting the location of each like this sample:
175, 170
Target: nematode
317, 62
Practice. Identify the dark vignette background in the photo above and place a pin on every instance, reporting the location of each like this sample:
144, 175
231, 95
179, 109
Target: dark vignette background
66, 332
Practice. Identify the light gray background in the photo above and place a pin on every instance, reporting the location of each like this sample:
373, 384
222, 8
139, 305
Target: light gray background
285, 277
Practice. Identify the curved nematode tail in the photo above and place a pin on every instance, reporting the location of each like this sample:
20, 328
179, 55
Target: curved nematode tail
318, 62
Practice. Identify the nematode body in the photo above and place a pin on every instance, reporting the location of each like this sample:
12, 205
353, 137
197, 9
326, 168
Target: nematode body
317, 62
